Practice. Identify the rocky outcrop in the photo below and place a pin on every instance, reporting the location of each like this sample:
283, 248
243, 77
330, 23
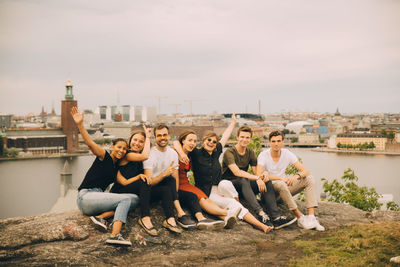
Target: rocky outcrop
69, 238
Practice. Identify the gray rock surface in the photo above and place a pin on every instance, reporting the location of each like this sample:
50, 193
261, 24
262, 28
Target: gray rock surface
69, 238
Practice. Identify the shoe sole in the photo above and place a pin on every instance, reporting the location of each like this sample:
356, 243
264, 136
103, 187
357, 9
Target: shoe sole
98, 225
212, 226
117, 242
230, 223
185, 226
286, 224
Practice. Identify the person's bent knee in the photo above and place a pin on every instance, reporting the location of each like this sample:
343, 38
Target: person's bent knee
280, 186
310, 180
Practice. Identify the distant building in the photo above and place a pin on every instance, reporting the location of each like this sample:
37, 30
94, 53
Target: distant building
360, 138
37, 141
308, 138
103, 112
67, 122
5, 121
128, 113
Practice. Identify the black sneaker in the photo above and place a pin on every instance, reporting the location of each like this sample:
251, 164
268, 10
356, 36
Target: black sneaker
282, 221
265, 220
186, 222
118, 240
99, 222
210, 224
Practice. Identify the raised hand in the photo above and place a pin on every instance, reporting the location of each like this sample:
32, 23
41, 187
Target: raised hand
233, 118
147, 131
78, 117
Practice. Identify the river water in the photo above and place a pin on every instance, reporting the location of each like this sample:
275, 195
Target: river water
31, 187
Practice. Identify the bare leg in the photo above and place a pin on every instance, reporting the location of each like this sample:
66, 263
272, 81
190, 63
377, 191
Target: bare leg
116, 229
248, 217
178, 208
199, 216
106, 214
310, 211
209, 206
298, 213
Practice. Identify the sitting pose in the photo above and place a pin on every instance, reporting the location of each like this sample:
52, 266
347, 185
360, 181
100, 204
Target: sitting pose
131, 179
92, 200
272, 164
185, 145
207, 174
235, 164
161, 169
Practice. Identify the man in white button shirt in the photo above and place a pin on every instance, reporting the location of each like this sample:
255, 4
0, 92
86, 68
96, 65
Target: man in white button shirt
272, 163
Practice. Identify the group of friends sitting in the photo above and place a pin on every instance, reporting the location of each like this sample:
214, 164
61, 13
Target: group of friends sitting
139, 172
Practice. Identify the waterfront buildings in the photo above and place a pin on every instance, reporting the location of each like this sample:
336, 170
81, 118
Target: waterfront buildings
354, 139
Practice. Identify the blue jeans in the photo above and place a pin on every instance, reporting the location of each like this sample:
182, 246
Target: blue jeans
94, 202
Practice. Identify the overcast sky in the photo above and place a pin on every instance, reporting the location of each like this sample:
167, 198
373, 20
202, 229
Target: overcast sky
225, 55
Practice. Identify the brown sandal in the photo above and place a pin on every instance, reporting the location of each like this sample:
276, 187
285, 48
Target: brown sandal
174, 229
151, 231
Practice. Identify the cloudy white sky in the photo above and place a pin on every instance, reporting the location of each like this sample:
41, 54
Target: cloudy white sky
312, 55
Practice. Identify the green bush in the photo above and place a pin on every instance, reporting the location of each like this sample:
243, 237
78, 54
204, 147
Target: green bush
256, 145
391, 205
348, 191
11, 152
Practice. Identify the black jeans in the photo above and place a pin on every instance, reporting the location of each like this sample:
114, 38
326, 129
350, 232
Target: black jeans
248, 188
149, 193
190, 201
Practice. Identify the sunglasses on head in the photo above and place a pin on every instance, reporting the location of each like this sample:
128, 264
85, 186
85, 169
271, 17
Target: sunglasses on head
210, 140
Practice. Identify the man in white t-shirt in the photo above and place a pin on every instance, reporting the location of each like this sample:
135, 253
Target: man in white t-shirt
161, 168
272, 164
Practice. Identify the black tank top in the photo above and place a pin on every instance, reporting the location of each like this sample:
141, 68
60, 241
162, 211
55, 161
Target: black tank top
100, 174
129, 170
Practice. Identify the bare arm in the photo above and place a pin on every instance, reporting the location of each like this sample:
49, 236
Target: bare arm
240, 173
302, 171
95, 148
228, 130
123, 181
144, 155
167, 172
182, 156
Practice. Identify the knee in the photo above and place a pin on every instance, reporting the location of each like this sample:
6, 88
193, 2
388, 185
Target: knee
310, 181
280, 186
224, 184
134, 199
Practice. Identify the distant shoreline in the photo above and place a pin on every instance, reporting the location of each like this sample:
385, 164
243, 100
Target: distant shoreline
330, 150
48, 156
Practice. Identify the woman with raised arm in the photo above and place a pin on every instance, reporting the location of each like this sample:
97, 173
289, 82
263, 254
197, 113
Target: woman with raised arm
207, 174
131, 179
92, 200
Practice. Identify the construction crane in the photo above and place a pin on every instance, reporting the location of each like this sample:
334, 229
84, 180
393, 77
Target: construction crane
176, 108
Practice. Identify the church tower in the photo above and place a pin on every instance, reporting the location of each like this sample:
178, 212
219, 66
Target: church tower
67, 122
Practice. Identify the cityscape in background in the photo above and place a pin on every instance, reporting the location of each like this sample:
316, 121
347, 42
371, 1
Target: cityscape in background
50, 133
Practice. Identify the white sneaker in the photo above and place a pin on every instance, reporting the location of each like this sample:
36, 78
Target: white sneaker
305, 223
230, 218
315, 223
